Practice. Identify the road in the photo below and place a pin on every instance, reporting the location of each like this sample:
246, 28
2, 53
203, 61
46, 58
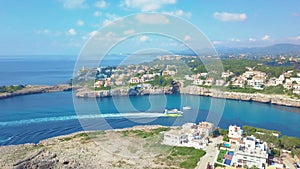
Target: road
211, 153
288, 161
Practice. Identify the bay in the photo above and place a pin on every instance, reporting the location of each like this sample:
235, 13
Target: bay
31, 118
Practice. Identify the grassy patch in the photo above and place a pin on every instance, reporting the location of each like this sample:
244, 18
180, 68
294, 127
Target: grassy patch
84, 136
189, 155
221, 156
218, 165
144, 133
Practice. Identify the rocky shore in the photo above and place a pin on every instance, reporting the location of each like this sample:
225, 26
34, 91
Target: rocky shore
121, 148
35, 89
257, 97
196, 90
87, 93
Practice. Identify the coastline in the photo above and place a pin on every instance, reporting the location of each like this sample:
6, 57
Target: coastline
82, 150
36, 89
281, 100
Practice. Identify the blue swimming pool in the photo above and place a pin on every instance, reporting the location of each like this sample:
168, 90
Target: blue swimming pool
230, 153
226, 144
227, 162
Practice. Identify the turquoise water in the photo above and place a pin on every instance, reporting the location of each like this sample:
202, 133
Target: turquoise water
32, 118
226, 145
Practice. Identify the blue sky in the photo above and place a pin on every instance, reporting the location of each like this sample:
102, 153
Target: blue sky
64, 26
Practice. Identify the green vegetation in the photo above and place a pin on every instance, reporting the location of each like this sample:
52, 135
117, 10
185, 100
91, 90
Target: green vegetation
102, 88
231, 88
11, 89
84, 136
221, 156
274, 90
237, 66
144, 133
162, 81
187, 83
191, 156
273, 71
275, 152
218, 165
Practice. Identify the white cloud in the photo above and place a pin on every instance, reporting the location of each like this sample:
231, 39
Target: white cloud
265, 38
100, 4
109, 34
72, 4
128, 32
110, 19
230, 17
295, 38
187, 38
235, 40
217, 42
43, 32
147, 5
97, 13
152, 19
179, 13
252, 39
143, 38
93, 33
79, 23
48, 32
107, 22
72, 31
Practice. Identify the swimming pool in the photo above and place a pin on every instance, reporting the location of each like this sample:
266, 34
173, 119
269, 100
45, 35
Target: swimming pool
227, 162
226, 144
230, 153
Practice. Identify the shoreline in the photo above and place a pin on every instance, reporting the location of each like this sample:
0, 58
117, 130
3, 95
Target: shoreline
37, 89
281, 100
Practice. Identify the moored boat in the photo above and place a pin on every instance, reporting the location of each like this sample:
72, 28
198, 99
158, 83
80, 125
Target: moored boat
186, 108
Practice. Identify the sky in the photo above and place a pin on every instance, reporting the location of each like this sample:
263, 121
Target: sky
64, 26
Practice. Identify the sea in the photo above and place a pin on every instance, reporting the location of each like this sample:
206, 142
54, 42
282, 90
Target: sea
32, 118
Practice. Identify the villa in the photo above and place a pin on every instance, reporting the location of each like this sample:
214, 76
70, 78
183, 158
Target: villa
251, 152
235, 132
190, 135
174, 137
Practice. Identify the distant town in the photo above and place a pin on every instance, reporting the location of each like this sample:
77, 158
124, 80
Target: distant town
269, 75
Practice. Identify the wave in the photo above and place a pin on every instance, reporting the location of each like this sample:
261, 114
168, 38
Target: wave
2, 140
79, 117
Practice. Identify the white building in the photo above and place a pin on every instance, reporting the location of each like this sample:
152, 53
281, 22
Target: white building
296, 79
220, 82
235, 132
205, 128
198, 82
175, 137
251, 152
135, 80
226, 74
191, 135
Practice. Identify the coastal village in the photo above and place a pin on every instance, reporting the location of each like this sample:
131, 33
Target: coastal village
235, 150
158, 76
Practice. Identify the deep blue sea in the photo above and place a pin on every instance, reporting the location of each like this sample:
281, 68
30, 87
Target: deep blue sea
31, 118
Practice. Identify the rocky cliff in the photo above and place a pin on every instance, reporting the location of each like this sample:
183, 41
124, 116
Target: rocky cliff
33, 89
258, 97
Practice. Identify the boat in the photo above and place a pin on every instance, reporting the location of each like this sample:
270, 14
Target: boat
173, 113
186, 108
